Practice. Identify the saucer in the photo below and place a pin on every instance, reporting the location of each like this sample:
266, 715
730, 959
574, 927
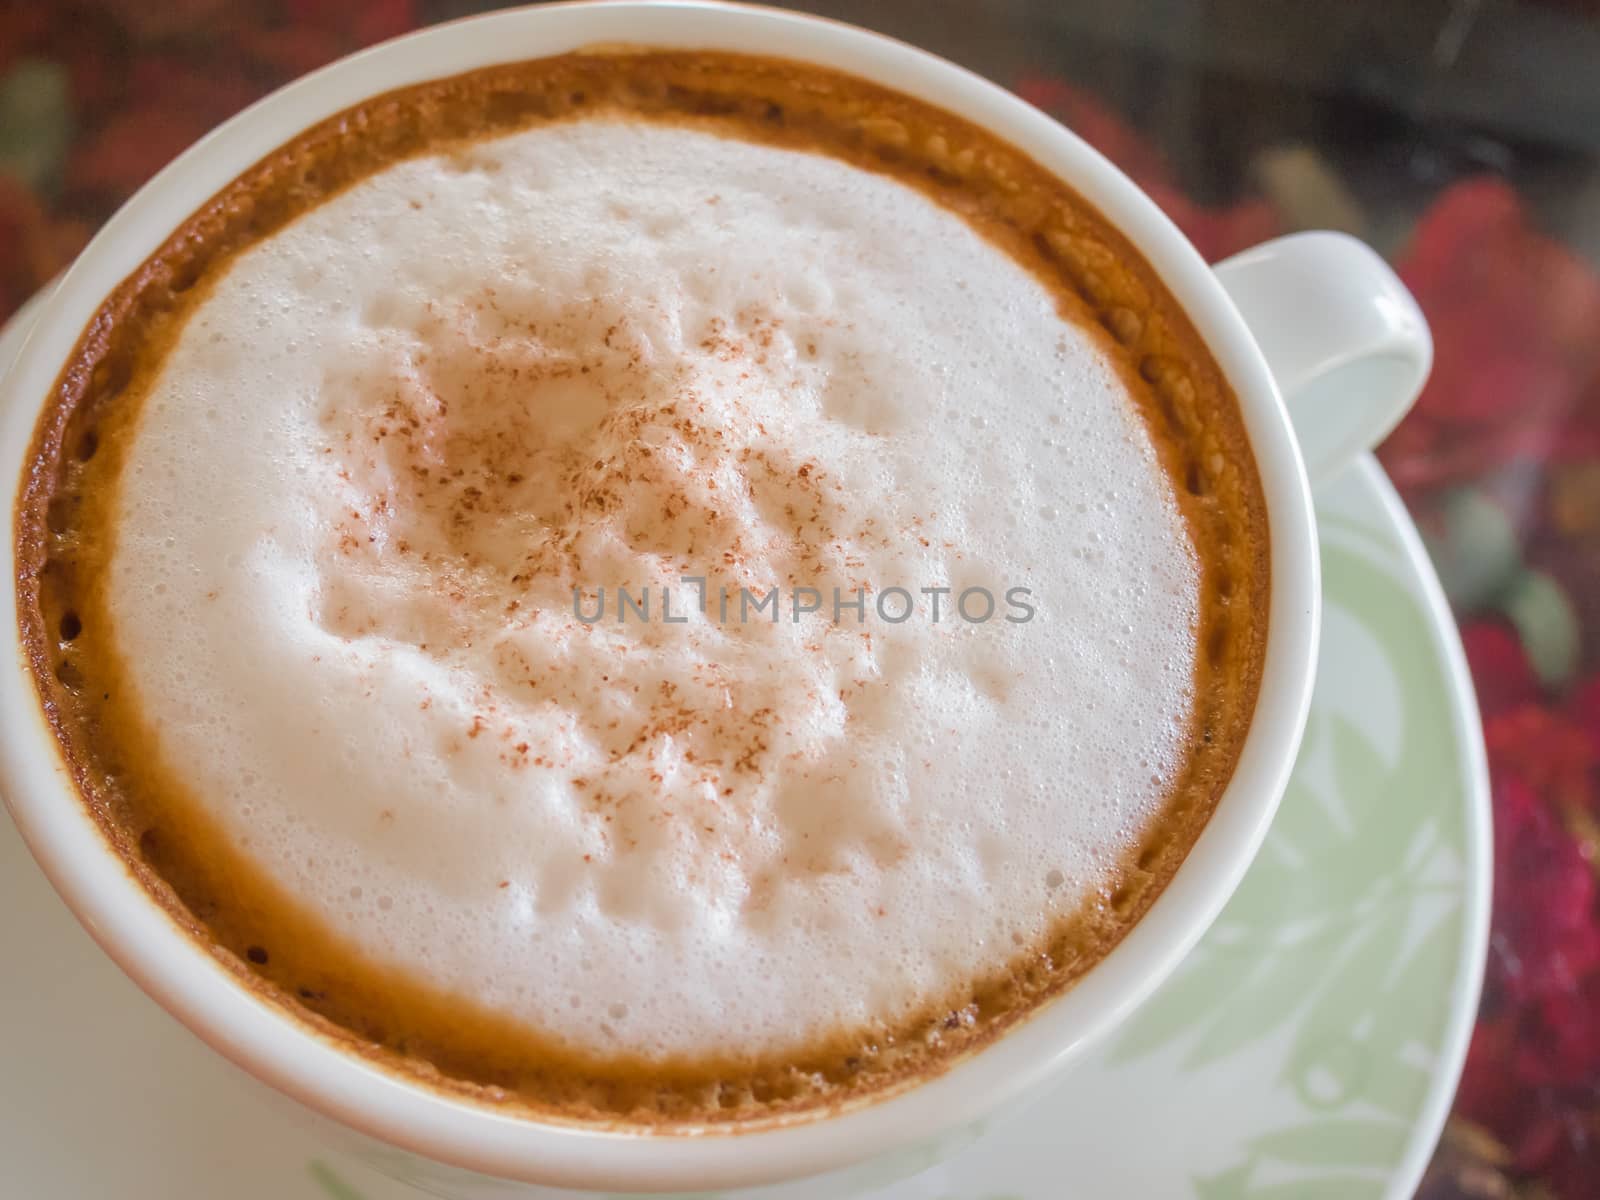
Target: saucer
1308, 1048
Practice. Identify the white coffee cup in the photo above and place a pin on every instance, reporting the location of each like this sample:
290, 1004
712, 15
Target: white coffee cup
1323, 346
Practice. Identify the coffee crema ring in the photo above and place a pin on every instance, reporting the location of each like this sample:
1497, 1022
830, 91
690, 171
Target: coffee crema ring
428, 563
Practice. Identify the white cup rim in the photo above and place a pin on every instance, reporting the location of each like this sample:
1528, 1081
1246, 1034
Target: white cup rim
173, 969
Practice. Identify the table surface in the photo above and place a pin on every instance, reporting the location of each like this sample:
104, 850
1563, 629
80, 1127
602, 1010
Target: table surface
1461, 137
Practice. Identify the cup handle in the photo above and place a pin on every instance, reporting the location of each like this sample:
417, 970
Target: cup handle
1345, 340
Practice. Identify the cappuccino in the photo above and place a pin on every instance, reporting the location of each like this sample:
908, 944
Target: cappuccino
378, 556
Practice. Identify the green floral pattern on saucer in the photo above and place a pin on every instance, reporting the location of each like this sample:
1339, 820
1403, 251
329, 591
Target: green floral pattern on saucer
1345, 926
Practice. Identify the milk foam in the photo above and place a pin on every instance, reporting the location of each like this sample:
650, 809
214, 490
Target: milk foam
396, 436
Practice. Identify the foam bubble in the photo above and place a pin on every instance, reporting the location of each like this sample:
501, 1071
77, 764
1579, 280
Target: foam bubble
519, 387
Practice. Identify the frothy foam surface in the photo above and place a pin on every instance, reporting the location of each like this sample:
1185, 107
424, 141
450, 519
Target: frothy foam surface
397, 434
